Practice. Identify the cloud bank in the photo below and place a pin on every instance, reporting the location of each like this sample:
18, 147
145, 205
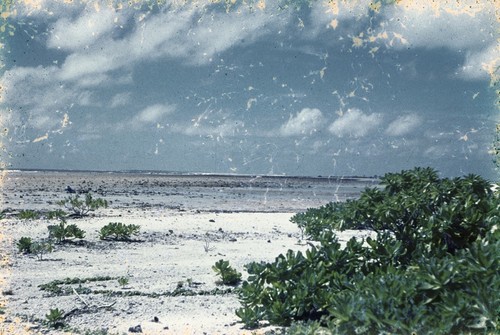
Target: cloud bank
355, 123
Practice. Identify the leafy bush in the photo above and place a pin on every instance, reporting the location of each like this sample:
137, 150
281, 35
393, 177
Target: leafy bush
41, 248
123, 281
118, 231
229, 276
63, 232
79, 207
55, 318
432, 268
28, 246
28, 214
56, 214
24, 244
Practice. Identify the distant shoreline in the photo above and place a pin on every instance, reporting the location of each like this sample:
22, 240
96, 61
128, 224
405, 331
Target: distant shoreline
159, 173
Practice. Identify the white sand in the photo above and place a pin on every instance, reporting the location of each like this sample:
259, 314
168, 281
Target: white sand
171, 250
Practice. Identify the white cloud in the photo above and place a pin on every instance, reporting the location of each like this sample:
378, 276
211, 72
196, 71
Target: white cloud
305, 122
79, 65
120, 99
468, 27
41, 99
355, 123
437, 151
334, 14
482, 64
211, 123
454, 25
403, 125
191, 33
46, 9
154, 113
225, 128
85, 30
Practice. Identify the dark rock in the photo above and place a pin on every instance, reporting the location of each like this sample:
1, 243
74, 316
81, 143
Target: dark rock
69, 189
136, 329
155, 319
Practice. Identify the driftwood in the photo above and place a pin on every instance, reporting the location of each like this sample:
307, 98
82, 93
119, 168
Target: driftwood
88, 308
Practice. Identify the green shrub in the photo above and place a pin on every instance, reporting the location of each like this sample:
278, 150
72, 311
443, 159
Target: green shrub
55, 318
24, 244
28, 214
28, 246
123, 281
63, 231
118, 231
432, 268
79, 207
229, 276
56, 214
41, 248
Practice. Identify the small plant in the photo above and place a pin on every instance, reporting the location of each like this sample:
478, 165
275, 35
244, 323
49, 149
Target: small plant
41, 248
208, 246
228, 274
79, 207
249, 316
123, 281
28, 215
63, 232
118, 231
55, 318
25, 244
57, 214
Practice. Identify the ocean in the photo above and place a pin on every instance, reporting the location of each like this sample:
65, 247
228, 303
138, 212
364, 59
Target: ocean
39, 190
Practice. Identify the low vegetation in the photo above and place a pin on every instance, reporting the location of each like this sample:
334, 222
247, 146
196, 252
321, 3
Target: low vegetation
229, 275
118, 231
63, 232
432, 267
71, 286
81, 207
26, 245
55, 318
28, 214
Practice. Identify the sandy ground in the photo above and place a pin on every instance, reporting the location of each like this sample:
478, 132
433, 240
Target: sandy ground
177, 246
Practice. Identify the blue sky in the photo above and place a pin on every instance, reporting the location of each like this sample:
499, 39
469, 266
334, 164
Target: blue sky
251, 87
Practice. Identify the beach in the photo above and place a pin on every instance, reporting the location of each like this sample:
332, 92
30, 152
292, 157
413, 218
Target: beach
187, 224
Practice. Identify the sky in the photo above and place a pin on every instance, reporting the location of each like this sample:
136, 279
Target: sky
284, 87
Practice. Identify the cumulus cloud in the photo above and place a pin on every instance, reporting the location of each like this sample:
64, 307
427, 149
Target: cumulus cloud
306, 122
154, 113
355, 123
403, 125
